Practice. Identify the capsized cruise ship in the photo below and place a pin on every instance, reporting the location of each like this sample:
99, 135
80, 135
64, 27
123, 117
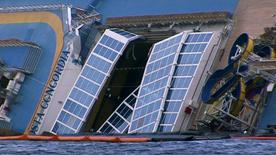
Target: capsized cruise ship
124, 67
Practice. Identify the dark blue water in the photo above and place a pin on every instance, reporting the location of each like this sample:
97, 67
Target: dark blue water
192, 147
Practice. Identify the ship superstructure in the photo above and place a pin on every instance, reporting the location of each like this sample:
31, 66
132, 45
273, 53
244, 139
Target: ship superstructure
95, 67
91, 80
82, 107
168, 91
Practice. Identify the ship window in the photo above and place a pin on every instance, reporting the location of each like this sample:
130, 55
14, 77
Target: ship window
99, 63
104, 39
181, 82
123, 33
61, 129
163, 72
150, 88
165, 128
150, 97
69, 120
107, 129
116, 120
124, 111
185, 70
168, 118
207, 37
193, 48
93, 74
189, 58
202, 47
131, 100
119, 46
176, 94
146, 109
105, 52
112, 43
75, 108
165, 61
87, 86
81, 97
172, 106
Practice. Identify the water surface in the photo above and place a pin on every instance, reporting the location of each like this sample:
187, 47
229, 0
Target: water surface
189, 147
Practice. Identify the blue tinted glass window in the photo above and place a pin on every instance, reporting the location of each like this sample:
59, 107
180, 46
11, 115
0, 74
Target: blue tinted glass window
181, 82
187, 48
189, 58
75, 108
195, 37
104, 39
107, 129
69, 120
81, 97
201, 37
61, 129
153, 86
153, 76
153, 106
114, 44
196, 48
207, 37
123, 126
114, 119
168, 119
165, 128
172, 106
151, 97
124, 110
176, 94
87, 86
119, 46
105, 52
123, 33
168, 60
202, 47
99, 63
93, 74
185, 70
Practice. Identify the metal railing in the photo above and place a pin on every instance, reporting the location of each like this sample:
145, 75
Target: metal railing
32, 7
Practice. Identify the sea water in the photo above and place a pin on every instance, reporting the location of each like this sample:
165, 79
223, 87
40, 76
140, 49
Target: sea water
241, 147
